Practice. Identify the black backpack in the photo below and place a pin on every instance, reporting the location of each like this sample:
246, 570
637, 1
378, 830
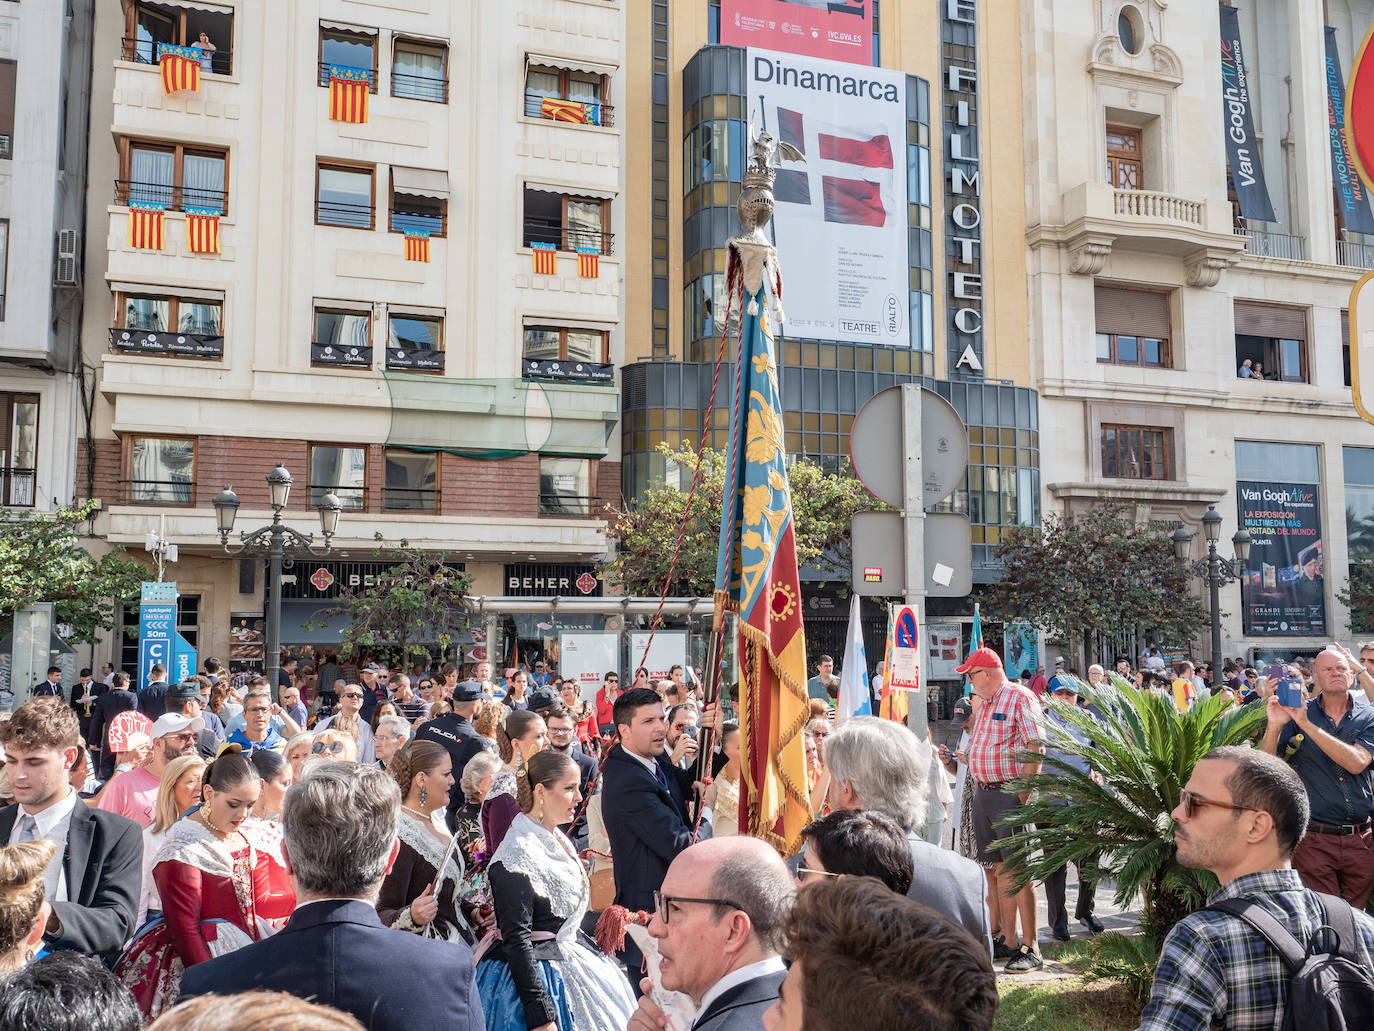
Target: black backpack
1327, 991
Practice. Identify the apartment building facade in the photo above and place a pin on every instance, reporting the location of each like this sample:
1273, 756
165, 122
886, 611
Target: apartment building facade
414, 300
1191, 221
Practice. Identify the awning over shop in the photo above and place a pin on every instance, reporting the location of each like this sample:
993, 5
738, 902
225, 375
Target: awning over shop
295, 614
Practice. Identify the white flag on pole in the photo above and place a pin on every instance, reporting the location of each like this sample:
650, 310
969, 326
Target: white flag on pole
854, 698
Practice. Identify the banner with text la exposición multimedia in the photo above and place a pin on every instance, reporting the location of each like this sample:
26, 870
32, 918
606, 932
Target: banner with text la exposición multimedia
840, 219
1237, 107
1283, 588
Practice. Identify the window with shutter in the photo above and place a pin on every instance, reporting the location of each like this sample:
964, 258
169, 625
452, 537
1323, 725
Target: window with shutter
1273, 339
1133, 327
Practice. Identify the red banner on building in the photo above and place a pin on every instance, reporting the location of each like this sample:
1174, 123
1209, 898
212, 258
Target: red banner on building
202, 231
348, 92
417, 246
840, 30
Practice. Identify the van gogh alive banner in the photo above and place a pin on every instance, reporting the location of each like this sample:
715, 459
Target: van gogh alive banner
841, 218
1350, 190
1282, 589
1242, 149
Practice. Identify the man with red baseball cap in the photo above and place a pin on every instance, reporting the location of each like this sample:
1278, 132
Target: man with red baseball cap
1009, 722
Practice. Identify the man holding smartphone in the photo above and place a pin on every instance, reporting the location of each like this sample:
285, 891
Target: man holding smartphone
1333, 760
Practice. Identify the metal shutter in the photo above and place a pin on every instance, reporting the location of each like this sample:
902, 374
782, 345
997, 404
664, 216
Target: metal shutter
1123, 312
1270, 321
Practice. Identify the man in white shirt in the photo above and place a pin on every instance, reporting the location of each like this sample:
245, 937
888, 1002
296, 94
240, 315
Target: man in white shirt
94, 878
717, 921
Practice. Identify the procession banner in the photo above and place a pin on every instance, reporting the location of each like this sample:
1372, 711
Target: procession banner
1242, 149
842, 215
840, 30
1351, 193
1283, 590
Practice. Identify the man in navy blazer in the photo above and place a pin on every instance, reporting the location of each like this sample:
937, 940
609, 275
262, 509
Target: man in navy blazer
643, 803
339, 828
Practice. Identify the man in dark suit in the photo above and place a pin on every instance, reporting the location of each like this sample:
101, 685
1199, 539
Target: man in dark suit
94, 879
152, 700
339, 839
643, 803
51, 687
455, 732
109, 705
717, 924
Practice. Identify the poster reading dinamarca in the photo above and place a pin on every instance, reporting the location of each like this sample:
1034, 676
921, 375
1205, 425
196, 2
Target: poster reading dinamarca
841, 218
1283, 589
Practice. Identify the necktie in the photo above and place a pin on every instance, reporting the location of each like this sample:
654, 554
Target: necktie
658, 776
28, 831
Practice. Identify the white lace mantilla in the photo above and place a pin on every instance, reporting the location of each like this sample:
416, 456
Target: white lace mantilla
189, 841
555, 873
427, 846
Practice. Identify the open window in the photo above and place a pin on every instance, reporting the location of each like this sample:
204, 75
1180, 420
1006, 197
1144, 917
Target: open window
1271, 341
574, 95
566, 222
208, 28
419, 201
349, 47
173, 176
18, 449
412, 481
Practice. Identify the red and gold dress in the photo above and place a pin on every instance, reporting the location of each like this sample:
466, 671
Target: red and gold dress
217, 896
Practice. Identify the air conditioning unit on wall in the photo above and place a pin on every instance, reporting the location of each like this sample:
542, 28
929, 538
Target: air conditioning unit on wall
67, 271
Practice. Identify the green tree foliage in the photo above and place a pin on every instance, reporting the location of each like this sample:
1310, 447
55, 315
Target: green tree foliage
1115, 819
413, 604
42, 559
1098, 571
645, 533
1358, 595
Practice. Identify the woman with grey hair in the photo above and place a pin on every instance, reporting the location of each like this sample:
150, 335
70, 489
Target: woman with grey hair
475, 783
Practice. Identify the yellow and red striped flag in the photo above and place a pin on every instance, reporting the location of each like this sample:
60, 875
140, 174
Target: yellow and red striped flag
180, 68
563, 110
417, 245
348, 89
589, 262
145, 227
202, 230
545, 259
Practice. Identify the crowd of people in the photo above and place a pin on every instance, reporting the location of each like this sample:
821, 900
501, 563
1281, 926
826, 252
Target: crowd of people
170, 846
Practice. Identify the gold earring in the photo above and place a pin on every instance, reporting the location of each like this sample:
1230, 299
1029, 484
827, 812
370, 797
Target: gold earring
539, 812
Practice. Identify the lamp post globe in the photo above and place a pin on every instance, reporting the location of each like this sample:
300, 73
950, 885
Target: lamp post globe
1183, 543
226, 508
330, 507
279, 484
1211, 524
1241, 542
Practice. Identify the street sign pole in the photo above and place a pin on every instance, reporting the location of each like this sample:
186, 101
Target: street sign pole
913, 524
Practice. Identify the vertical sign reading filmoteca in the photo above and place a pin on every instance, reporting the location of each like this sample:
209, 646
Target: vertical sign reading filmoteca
841, 217
963, 186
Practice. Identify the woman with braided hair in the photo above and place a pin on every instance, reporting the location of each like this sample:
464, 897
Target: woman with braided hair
544, 974
421, 892
520, 737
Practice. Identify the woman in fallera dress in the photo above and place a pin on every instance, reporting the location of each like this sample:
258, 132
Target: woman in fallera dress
521, 736
544, 974
410, 899
222, 883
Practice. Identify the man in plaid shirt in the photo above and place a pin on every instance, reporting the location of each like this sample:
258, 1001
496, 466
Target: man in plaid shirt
1009, 723
1241, 816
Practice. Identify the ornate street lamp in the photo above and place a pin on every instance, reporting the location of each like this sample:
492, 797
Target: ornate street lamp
1213, 570
277, 542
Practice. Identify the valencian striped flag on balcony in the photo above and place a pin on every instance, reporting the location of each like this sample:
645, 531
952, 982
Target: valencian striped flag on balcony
417, 245
145, 226
545, 259
580, 111
180, 68
589, 261
348, 89
202, 230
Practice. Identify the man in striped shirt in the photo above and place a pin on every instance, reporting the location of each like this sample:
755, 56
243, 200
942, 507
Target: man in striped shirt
1009, 724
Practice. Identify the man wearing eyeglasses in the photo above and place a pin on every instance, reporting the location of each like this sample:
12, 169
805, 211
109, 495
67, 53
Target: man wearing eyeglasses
352, 700
1332, 757
133, 793
1241, 817
257, 732
716, 920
